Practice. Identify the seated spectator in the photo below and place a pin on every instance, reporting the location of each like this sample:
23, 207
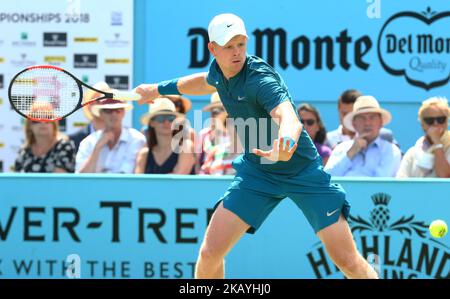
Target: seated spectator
183, 105
430, 156
367, 154
310, 118
113, 149
96, 123
46, 150
218, 144
167, 150
345, 105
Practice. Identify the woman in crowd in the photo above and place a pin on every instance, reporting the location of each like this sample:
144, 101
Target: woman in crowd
430, 156
183, 105
169, 148
46, 150
310, 118
218, 144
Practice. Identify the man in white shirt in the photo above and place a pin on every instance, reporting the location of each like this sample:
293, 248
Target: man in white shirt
345, 105
367, 154
114, 149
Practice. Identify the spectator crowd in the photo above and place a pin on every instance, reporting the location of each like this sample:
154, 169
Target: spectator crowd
360, 146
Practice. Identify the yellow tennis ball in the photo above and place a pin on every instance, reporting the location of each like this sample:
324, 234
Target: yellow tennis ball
438, 228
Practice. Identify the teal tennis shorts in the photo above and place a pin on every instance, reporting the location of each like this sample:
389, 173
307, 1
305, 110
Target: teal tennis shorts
253, 194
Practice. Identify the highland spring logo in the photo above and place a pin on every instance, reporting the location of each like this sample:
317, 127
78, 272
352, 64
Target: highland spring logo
403, 247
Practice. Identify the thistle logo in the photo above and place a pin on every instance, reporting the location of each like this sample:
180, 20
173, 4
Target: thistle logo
403, 247
88, 61
117, 42
117, 82
55, 39
23, 61
417, 47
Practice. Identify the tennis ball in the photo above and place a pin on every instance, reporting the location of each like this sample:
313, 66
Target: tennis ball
438, 228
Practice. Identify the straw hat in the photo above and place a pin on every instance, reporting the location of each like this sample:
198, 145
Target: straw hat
161, 106
110, 104
366, 104
90, 94
214, 102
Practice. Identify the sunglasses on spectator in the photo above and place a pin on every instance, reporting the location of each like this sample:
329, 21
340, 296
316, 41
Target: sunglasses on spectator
431, 120
216, 111
162, 118
109, 111
308, 122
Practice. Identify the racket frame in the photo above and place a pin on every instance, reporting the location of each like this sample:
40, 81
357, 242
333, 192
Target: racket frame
106, 95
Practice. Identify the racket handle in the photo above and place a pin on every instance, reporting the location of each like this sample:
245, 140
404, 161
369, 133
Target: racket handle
127, 96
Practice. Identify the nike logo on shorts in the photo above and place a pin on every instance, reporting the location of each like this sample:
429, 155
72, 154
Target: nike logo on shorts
331, 213
240, 98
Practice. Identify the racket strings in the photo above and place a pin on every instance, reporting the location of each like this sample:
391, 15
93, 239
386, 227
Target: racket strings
44, 93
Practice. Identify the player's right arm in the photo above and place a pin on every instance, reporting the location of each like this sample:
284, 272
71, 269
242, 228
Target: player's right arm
194, 84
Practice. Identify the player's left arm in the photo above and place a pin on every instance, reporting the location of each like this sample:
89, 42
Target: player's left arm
289, 132
286, 118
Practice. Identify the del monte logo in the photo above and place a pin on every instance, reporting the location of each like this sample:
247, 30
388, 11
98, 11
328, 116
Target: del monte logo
402, 245
414, 45
417, 46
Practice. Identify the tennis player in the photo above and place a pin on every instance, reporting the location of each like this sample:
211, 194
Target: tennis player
251, 89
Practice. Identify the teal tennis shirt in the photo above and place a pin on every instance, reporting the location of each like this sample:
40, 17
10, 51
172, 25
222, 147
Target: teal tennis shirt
249, 97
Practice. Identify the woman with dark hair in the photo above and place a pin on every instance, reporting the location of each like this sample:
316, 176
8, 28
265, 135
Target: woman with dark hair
310, 118
167, 151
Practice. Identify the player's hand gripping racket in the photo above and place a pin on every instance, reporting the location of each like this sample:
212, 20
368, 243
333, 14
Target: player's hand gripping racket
48, 93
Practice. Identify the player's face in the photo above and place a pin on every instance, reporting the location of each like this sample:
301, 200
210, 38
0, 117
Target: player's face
231, 57
368, 123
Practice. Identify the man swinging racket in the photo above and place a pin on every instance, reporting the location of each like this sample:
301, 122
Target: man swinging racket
251, 89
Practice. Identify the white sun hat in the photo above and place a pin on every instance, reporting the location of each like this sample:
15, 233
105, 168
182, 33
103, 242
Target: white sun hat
366, 104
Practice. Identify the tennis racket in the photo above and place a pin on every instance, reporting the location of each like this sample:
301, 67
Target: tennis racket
47, 93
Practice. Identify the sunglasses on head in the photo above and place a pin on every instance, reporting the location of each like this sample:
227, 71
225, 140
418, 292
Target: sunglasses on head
162, 118
308, 122
431, 120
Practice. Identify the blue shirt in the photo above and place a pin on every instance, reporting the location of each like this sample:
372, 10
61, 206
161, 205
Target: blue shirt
381, 158
249, 97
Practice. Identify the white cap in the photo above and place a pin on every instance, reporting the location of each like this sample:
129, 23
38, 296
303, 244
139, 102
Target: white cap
224, 27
